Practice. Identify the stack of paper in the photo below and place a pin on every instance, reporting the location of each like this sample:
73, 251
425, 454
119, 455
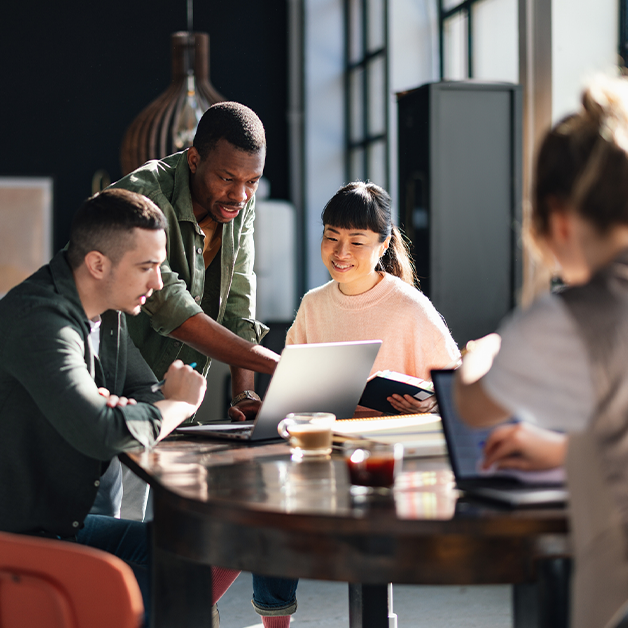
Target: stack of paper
420, 434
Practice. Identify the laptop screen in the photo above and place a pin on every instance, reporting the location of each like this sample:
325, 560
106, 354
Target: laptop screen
464, 444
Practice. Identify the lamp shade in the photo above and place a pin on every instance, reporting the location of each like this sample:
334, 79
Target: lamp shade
168, 124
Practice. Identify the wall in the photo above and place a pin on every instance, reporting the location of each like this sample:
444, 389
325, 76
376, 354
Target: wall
584, 42
75, 74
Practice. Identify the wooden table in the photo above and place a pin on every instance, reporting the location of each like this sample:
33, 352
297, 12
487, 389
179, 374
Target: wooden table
252, 508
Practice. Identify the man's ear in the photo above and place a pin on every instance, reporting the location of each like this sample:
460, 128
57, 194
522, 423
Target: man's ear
194, 159
97, 264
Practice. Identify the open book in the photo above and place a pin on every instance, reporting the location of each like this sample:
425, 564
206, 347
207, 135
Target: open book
384, 384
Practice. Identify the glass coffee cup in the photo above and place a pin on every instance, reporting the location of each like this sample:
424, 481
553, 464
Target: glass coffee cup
309, 433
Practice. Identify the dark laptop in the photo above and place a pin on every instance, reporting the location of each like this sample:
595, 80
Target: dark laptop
465, 448
321, 377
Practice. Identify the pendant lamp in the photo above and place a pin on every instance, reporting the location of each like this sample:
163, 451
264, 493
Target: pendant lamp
168, 124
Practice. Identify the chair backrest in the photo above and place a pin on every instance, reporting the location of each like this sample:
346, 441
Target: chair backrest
54, 584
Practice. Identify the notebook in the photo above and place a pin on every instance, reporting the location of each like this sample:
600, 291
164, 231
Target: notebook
420, 434
465, 448
322, 377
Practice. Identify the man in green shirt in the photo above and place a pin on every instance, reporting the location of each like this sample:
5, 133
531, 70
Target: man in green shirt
207, 192
206, 308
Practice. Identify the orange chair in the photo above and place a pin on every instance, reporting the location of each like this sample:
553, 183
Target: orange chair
54, 584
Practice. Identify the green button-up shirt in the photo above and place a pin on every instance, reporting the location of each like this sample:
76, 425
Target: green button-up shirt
225, 291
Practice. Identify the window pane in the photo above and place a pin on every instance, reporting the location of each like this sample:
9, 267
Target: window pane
377, 163
356, 165
496, 40
455, 47
356, 47
450, 4
376, 23
356, 105
377, 96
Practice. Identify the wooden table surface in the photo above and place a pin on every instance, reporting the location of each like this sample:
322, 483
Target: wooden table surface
253, 508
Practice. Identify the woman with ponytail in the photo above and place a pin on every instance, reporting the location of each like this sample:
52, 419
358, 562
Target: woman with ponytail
372, 294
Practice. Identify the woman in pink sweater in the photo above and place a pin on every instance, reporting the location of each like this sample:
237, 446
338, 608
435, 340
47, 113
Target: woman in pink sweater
372, 294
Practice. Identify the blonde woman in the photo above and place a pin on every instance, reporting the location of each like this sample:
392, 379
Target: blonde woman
564, 361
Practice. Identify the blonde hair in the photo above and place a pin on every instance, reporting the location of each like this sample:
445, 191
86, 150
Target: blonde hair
583, 160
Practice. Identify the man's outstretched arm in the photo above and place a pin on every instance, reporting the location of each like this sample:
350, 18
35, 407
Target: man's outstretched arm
204, 334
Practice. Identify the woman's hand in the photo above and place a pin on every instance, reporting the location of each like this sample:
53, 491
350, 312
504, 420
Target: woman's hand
524, 446
477, 358
406, 404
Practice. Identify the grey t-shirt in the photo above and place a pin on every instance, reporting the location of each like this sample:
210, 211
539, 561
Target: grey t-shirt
541, 372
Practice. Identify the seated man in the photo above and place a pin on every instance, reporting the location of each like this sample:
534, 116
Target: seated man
74, 390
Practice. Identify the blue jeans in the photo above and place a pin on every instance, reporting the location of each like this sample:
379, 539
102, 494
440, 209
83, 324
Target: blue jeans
129, 541
274, 596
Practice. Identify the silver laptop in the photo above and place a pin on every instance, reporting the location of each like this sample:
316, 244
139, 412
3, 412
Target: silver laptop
465, 446
323, 377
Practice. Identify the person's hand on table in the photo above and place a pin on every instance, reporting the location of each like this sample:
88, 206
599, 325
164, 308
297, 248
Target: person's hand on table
113, 401
406, 404
524, 446
244, 410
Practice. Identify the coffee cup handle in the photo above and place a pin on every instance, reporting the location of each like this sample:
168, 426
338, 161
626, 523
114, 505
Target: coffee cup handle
282, 427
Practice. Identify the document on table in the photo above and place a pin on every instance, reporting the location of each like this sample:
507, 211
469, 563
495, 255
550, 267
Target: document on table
420, 434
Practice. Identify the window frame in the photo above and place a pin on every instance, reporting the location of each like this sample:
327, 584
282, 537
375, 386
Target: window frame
623, 33
444, 14
362, 62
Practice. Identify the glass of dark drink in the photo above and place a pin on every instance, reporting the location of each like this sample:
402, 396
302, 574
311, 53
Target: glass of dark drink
372, 465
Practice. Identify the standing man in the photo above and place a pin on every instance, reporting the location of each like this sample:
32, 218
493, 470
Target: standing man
74, 391
206, 308
207, 193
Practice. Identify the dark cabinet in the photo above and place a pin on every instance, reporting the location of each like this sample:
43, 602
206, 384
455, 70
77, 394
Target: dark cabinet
460, 162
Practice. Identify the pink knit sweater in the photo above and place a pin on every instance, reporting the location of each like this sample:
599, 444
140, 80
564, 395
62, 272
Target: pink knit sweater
415, 337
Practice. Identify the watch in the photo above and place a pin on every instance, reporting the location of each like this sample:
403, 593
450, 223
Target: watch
245, 394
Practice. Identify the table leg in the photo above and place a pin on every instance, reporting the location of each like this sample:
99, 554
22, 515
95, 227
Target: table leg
368, 605
181, 594
544, 603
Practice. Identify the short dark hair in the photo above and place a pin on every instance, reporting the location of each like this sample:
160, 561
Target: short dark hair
365, 205
233, 122
105, 223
